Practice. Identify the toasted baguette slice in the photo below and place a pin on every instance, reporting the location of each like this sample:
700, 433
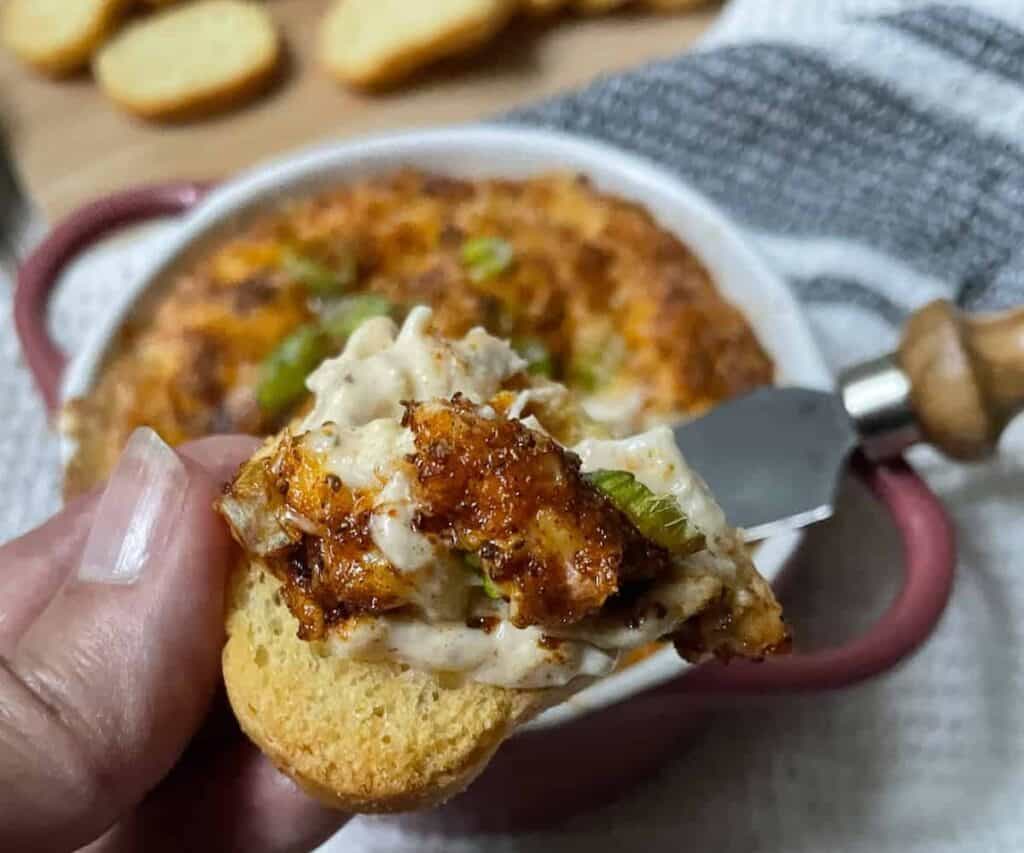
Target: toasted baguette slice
363, 737
377, 42
190, 60
57, 36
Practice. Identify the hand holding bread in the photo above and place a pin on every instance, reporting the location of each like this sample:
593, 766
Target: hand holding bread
119, 732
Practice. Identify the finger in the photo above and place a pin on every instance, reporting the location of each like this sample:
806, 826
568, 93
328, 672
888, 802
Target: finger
228, 797
255, 806
35, 566
106, 688
221, 455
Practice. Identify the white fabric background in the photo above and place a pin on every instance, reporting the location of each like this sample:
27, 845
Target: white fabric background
927, 758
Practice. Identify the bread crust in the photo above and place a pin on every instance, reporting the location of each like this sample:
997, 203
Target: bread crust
361, 737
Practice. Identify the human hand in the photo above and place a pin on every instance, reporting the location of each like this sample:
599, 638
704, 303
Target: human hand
113, 727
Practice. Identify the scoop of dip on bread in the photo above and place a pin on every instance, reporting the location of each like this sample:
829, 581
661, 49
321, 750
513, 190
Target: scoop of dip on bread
440, 520
426, 511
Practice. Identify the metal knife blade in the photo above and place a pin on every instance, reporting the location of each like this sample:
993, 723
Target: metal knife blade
772, 457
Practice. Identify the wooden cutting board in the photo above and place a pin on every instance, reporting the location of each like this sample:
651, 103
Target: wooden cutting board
72, 145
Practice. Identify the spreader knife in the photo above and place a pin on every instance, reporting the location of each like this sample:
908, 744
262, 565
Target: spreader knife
773, 457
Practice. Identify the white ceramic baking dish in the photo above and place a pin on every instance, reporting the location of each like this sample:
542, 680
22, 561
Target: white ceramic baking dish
656, 694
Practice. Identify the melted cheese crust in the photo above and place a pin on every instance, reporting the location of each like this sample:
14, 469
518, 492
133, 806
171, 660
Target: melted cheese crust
631, 319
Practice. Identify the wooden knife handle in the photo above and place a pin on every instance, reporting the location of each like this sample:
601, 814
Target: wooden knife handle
966, 374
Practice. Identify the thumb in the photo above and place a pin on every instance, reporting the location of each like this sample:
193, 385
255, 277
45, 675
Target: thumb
103, 692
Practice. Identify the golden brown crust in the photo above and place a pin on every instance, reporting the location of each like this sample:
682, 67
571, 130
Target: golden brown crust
546, 536
312, 532
557, 549
487, 486
744, 620
240, 91
618, 302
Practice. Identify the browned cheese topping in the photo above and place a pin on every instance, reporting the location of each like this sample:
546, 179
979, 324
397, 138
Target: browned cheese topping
325, 555
613, 299
552, 543
549, 540
724, 631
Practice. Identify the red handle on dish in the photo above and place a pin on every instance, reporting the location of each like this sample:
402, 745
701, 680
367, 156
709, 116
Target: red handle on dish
929, 554
40, 271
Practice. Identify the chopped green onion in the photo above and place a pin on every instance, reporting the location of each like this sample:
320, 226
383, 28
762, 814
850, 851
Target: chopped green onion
283, 373
490, 587
486, 257
537, 356
318, 278
658, 517
473, 563
340, 319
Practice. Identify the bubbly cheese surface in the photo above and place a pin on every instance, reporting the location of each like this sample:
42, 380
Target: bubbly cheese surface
360, 394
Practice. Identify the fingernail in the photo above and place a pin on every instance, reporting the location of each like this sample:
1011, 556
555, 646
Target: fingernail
137, 512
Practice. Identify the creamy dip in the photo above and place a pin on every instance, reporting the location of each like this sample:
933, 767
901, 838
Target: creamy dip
356, 427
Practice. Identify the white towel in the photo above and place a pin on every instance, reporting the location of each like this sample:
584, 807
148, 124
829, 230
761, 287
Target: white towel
874, 151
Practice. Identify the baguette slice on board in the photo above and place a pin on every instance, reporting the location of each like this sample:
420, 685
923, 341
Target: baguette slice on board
190, 60
58, 36
373, 43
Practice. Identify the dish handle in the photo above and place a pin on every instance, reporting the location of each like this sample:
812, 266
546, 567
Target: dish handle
929, 554
39, 273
